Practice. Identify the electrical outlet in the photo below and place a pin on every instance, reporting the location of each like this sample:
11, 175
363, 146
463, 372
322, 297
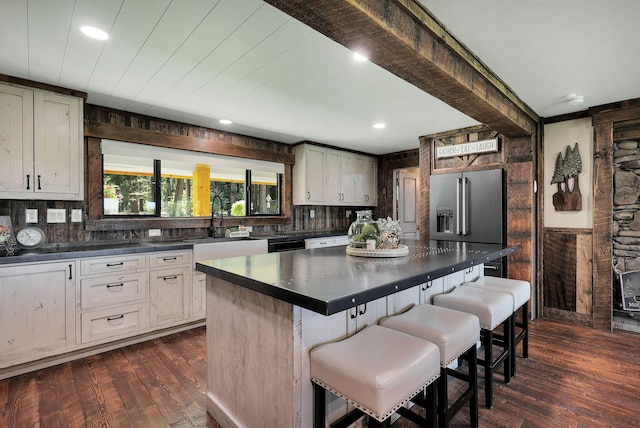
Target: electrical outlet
312, 213
155, 232
56, 215
348, 214
76, 216
31, 215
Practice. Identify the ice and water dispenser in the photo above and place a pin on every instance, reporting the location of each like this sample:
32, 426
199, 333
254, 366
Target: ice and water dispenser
444, 220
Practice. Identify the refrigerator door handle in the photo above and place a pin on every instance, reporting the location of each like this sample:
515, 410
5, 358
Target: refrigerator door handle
464, 205
458, 187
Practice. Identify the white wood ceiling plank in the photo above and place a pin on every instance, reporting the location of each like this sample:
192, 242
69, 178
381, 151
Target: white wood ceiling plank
14, 39
82, 53
48, 28
173, 28
129, 32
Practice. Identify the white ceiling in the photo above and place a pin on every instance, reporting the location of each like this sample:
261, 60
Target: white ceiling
198, 61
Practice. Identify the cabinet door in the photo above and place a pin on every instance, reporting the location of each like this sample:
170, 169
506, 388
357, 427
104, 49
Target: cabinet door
333, 193
309, 175
340, 177
38, 311
58, 138
198, 295
16, 140
168, 296
371, 181
430, 289
347, 180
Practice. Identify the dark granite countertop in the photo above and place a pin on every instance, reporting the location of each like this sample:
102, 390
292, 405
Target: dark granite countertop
91, 249
327, 280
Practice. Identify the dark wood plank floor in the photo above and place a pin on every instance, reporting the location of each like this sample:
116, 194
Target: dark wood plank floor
575, 377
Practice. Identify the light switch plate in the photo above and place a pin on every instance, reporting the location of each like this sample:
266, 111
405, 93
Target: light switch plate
76, 216
56, 215
31, 215
312, 213
155, 232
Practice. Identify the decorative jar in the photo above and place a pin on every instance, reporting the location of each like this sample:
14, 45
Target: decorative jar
363, 229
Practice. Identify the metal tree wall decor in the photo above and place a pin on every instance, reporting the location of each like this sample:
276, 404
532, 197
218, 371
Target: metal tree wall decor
565, 175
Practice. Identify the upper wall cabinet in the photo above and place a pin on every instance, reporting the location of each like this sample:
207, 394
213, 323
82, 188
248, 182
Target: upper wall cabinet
41, 139
323, 176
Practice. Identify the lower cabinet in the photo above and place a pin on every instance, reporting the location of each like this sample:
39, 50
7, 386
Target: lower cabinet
81, 306
169, 291
37, 317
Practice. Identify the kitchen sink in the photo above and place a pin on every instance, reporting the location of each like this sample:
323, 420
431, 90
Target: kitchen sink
219, 248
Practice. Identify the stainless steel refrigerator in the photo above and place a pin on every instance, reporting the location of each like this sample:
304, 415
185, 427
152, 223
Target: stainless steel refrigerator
467, 207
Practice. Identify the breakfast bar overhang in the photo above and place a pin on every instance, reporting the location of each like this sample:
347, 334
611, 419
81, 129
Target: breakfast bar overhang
265, 312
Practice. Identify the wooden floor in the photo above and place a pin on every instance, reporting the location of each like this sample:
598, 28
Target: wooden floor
575, 377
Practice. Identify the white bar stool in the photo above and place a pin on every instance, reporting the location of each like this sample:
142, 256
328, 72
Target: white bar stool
378, 370
521, 292
456, 333
493, 309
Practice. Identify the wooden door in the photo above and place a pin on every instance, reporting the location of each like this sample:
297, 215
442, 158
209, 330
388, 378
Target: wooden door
16, 140
407, 203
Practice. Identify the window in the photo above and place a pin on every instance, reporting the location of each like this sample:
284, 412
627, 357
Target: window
144, 180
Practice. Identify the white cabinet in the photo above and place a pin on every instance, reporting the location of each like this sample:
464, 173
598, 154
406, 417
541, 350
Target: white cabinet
198, 295
169, 296
113, 297
323, 176
309, 175
169, 288
42, 142
37, 317
340, 178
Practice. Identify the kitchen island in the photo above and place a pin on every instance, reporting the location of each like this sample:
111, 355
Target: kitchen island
264, 313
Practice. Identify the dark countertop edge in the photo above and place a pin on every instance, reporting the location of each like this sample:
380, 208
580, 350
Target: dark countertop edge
347, 302
63, 254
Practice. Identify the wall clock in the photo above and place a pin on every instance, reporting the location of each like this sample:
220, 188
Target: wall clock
30, 237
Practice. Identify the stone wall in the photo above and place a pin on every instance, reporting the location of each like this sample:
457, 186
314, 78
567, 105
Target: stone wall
626, 205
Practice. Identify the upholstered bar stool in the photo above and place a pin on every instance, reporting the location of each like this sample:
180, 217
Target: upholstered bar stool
521, 293
493, 309
456, 334
378, 370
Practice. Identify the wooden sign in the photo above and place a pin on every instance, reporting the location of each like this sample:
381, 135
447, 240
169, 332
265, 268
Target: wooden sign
483, 146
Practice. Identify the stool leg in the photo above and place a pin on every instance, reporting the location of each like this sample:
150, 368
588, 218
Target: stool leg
431, 403
508, 342
473, 384
512, 349
443, 398
319, 406
525, 327
488, 372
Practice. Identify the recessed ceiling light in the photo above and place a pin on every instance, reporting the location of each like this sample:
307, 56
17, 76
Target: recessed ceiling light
94, 33
379, 125
574, 99
225, 121
360, 57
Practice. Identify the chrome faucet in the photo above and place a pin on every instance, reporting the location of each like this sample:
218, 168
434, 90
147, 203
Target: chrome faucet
212, 228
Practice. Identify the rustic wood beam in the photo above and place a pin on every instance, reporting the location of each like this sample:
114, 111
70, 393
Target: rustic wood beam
403, 38
155, 138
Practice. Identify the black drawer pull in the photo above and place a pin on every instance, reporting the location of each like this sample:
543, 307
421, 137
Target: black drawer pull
115, 285
39, 187
170, 278
117, 317
28, 185
115, 264
169, 259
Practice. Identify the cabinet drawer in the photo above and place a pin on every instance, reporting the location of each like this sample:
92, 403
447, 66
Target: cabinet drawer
109, 323
128, 262
107, 290
168, 259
